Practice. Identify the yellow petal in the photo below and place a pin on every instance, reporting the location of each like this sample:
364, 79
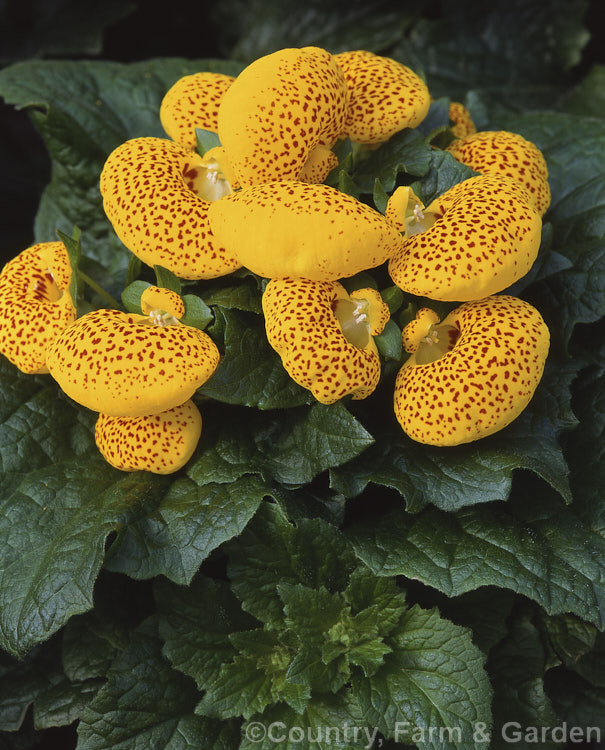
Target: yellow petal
499, 152
278, 109
461, 117
304, 330
294, 229
484, 382
320, 162
192, 103
35, 305
484, 238
125, 365
148, 194
162, 443
418, 329
156, 298
384, 97
377, 309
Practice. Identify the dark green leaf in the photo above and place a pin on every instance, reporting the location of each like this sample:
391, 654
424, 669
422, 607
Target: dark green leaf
346, 184
64, 703
197, 312
74, 252
243, 296
251, 373
195, 624
188, 524
291, 447
578, 703
443, 173
271, 551
588, 98
146, 705
539, 549
568, 638
165, 279
434, 678
389, 343
380, 196
131, 296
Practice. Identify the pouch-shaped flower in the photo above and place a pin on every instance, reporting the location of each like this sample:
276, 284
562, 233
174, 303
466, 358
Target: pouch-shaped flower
193, 102
324, 335
35, 304
472, 374
475, 240
162, 443
128, 365
278, 110
384, 97
292, 229
463, 124
157, 194
499, 152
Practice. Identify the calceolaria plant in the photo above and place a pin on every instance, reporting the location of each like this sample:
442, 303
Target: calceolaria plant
302, 391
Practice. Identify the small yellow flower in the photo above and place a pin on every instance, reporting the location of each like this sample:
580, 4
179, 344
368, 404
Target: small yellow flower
324, 335
461, 117
471, 375
498, 152
475, 240
157, 194
35, 304
162, 443
128, 365
293, 229
384, 97
193, 102
278, 110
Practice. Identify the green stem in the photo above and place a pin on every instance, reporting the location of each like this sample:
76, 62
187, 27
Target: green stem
99, 290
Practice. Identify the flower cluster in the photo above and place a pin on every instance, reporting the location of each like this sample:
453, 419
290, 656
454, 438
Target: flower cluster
257, 199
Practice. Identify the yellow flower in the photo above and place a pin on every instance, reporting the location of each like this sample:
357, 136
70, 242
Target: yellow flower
162, 443
128, 365
157, 194
461, 117
35, 304
498, 152
278, 110
384, 97
292, 229
324, 335
193, 102
471, 375
475, 240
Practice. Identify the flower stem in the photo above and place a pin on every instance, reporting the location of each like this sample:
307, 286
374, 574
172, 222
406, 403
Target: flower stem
99, 290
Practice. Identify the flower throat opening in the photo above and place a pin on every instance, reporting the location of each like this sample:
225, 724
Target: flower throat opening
354, 319
437, 343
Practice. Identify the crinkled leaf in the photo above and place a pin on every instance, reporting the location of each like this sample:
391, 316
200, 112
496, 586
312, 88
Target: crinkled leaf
52, 539
405, 152
588, 98
84, 110
146, 705
244, 296
516, 667
578, 703
443, 173
272, 551
195, 623
64, 703
568, 638
434, 677
251, 373
290, 446
539, 549
339, 714
367, 591
187, 525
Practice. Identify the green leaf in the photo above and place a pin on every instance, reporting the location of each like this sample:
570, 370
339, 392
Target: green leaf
64, 703
568, 638
539, 549
368, 592
243, 296
405, 152
271, 551
146, 704
291, 447
380, 196
251, 372
197, 312
389, 342
346, 184
195, 624
516, 667
329, 721
310, 612
74, 252
165, 279
206, 140
54, 523
435, 677
458, 476
84, 110
578, 703
442, 173
188, 524
131, 296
